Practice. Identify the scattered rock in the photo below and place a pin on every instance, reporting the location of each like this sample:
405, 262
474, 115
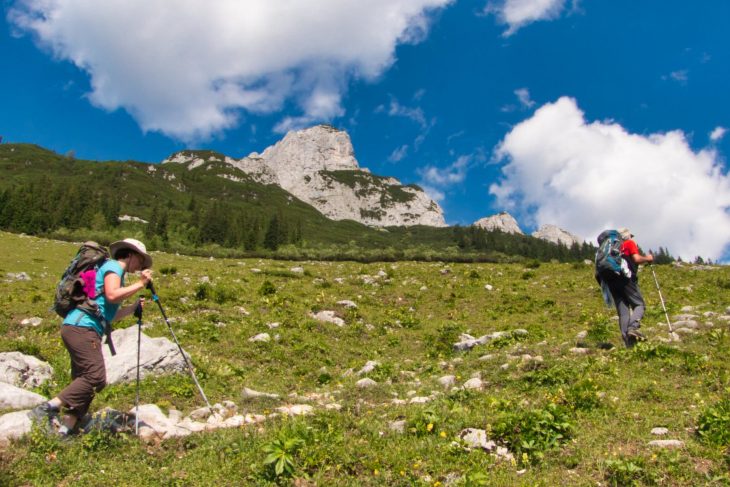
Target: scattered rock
328, 316
667, 443
296, 410
22, 370
659, 431
369, 366
347, 303
261, 337
419, 400
35, 321
397, 426
447, 381
488, 287
297, 270
252, 394
20, 276
474, 384
691, 324
159, 356
476, 438
273, 325
582, 335
14, 425
12, 397
365, 383
579, 351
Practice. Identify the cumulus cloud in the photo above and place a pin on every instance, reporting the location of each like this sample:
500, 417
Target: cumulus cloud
717, 134
518, 13
587, 176
191, 68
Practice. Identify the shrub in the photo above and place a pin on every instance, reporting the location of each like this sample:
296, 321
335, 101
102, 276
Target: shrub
441, 344
627, 471
168, 271
533, 432
267, 288
713, 425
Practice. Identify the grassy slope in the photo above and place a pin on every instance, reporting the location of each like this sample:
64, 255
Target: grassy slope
612, 398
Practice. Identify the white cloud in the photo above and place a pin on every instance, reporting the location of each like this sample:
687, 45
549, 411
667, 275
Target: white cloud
588, 176
518, 13
681, 76
435, 194
523, 95
190, 68
450, 175
415, 114
717, 134
398, 154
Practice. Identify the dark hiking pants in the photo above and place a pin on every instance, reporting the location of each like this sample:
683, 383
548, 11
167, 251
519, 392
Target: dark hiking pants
629, 305
87, 368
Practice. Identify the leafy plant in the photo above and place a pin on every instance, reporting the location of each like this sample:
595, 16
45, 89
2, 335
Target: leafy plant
533, 432
425, 422
267, 288
628, 472
713, 425
281, 454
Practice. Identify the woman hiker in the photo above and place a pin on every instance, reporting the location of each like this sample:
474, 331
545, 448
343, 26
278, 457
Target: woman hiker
81, 333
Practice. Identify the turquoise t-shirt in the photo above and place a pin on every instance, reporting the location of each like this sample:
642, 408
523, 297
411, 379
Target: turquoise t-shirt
79, 318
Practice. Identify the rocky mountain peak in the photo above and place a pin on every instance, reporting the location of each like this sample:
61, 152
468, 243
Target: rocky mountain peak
502, 221
557, 235
318, 166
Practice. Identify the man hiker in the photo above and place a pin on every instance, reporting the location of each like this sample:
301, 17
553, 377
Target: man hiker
82, 332
624, 289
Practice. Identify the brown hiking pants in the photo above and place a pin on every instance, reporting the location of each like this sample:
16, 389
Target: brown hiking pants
87, 368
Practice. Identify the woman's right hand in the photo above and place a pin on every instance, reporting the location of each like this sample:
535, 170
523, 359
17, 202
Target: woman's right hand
145, 276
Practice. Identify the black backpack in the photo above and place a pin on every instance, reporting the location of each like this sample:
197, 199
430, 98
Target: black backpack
609, 262
76, 290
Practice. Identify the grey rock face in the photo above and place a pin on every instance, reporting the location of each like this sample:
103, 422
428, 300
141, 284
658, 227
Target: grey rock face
502, 221
318, 166
557, 235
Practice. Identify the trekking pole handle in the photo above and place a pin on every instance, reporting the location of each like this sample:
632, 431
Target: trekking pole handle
151, 287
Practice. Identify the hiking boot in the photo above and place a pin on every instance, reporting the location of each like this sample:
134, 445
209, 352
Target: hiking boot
636, 335
43, 413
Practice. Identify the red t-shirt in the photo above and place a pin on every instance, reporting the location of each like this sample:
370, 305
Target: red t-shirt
629, 248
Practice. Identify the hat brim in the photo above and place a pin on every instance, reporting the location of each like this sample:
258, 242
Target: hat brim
117, 246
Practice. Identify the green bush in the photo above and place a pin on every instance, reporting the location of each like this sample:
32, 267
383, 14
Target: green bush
267, 288
529, 434
713, 425
628, 472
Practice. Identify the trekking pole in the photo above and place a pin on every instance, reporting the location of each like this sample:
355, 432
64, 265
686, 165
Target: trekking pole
651, 266
156, 299
138, 315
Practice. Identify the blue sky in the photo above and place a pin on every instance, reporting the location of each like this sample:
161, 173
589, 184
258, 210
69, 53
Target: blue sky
585, 114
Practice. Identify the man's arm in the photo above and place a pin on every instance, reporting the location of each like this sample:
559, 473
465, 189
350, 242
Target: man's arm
642, 259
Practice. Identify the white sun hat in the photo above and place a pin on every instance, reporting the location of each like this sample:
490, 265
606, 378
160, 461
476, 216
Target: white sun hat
136, 246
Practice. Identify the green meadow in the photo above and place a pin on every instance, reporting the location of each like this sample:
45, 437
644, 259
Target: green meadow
573, 408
